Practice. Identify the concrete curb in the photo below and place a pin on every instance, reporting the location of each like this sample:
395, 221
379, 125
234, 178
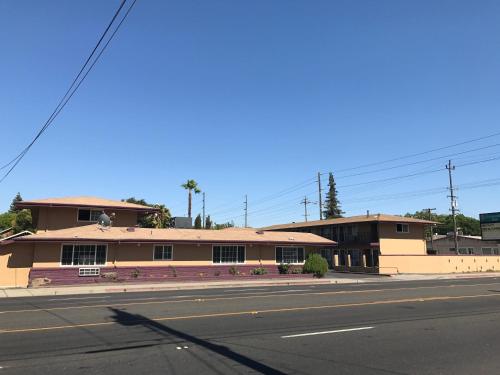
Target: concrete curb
131, 288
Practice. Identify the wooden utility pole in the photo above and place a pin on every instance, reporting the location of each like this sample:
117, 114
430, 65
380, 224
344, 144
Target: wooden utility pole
203, 219
453, 203
246, 211
305, 202
320, 202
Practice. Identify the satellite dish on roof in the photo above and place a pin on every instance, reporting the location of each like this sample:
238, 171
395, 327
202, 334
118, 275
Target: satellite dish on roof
104, 220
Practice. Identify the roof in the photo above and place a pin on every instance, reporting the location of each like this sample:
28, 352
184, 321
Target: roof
94, 232
11, 237
350, 220
83, 201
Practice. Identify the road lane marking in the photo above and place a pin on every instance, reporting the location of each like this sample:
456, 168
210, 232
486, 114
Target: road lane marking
224, 298
76, 298
240, 313
327, 332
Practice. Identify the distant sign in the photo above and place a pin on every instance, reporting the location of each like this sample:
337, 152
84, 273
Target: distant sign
490, 226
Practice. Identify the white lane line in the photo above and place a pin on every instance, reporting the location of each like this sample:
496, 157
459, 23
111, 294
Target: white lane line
74, 298
243, 290
327, 332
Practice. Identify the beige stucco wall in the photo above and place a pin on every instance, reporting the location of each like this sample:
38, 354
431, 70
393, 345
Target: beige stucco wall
131, 254
392, 242
15, 264
437, 264
52, 218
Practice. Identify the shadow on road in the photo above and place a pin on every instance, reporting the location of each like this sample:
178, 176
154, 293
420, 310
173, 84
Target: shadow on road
126, 319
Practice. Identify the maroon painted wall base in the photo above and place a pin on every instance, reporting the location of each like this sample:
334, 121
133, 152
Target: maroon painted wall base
69, 275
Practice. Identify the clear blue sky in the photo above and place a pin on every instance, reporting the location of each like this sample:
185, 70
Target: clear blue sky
253, 97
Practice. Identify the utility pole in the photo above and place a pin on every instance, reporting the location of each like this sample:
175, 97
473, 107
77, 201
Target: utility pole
320, 201
246, 211
429, 212
453, 202
203, 211
305, 202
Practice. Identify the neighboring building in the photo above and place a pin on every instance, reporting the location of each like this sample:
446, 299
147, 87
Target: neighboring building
363, 239
93, 253
467, 245
68, 212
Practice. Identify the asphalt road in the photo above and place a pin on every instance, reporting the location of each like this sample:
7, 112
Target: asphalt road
426, 327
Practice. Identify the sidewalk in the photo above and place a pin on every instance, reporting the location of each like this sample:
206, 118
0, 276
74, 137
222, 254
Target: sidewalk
151, 287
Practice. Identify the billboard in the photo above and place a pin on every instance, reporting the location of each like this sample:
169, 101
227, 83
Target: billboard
490, 226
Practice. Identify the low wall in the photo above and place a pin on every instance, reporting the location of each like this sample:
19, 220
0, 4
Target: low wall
393, 264
69, 275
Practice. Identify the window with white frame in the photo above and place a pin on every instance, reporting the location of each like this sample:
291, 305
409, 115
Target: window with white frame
162, 252
83, 255
228, 254
289, 254
487, 250
402, 228
88, 215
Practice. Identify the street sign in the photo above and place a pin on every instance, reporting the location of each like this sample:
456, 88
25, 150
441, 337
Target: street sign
490, 226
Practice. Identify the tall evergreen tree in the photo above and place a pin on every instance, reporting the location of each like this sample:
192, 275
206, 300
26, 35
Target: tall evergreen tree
332, 205
197, 222
208, 223
16, 199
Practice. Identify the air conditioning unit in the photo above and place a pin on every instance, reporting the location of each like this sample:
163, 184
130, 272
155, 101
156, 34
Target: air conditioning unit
182, 222
89, 271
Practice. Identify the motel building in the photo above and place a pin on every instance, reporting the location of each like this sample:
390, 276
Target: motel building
70, 247
389, 244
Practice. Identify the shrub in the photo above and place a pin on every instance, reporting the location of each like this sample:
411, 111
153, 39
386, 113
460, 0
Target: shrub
284, 268
233, 271
296, 270
174, 271
135, 273
316, 265
217, 273
259, 271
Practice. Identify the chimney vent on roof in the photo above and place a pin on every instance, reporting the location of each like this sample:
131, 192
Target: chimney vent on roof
130, 229
260, 232
367, 213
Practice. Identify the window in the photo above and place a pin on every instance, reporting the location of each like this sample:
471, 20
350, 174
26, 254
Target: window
83, 255
88, 215
289, 254
162, 252
486, 250
228, 254
402, 228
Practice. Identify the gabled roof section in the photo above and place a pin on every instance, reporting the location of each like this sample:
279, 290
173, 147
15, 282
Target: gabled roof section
83, 201
174, 235
350, 220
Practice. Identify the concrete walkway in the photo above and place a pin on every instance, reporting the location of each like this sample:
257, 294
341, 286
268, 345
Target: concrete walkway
332, 278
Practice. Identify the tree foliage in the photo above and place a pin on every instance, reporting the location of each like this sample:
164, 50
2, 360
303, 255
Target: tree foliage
16, 199
7, 220
159, 219
332, 205
224, 225
23, 221
197, 222
467, 225
191, 186
208, 222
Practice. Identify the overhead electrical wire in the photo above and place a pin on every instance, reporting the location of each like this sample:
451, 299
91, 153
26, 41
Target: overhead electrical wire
74, 85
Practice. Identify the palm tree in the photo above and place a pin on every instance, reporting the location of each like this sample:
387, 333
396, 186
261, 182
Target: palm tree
191, 185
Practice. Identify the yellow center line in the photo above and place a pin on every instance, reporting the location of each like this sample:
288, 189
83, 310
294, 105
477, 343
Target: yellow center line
201, 299
251, 312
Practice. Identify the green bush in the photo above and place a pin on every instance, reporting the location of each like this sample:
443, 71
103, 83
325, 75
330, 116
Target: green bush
284, 268
233, 271
259, 271
316, 265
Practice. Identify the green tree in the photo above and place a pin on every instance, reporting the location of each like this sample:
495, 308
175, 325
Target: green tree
208, 223
16, 199
23, 221
224, 226
159, 219
316, 265
7, 220
332, 204
191, 186
469, 226
197, 222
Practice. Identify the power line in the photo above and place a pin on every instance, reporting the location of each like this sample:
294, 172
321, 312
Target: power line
72, 89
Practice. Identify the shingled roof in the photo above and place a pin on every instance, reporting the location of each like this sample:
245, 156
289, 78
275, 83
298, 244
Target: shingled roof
83, 201
174, 235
